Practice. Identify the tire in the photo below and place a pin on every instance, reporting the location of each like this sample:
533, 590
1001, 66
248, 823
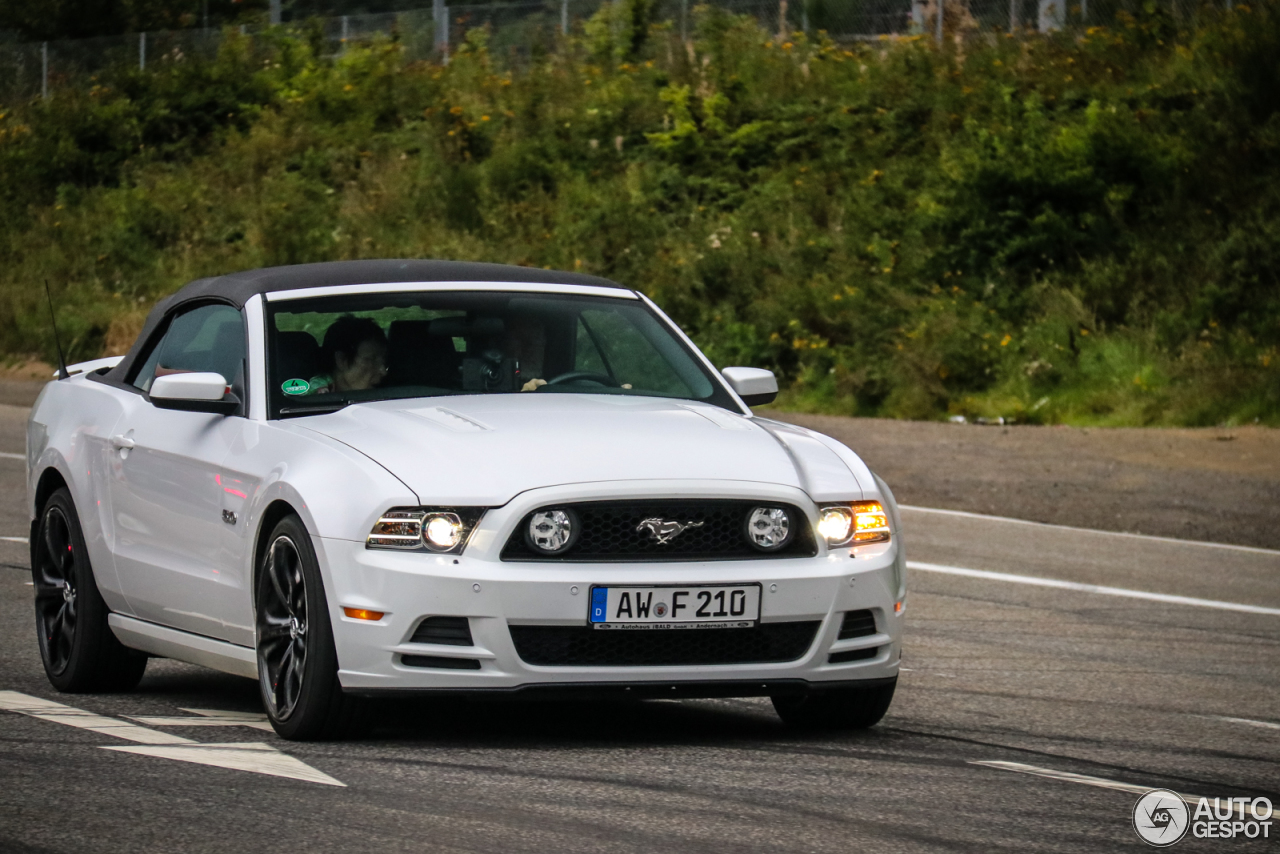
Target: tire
297, 660
79, 651
836, 709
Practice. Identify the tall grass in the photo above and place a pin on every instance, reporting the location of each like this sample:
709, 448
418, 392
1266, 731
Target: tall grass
1044, 228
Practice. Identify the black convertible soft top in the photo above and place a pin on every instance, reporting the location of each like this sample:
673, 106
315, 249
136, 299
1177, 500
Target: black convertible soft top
237, 288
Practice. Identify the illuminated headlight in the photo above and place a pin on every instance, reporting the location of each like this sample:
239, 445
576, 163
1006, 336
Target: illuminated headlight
836, 525
442, 532
418, 528
769, 528
861, 523
552, 531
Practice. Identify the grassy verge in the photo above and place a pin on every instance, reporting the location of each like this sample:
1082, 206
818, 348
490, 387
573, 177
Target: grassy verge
1048, 229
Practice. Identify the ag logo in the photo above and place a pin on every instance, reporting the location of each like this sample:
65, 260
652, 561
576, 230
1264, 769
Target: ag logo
295, 387
1161, 818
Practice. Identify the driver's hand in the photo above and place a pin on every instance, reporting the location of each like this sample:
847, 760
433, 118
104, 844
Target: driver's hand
533, 385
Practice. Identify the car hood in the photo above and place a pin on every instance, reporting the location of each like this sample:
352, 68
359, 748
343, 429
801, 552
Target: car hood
484, 450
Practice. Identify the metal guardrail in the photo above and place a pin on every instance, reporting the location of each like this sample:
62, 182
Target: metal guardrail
35, 69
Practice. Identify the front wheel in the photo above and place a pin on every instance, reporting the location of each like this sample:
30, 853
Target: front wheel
838, 708
79, 651
297, 660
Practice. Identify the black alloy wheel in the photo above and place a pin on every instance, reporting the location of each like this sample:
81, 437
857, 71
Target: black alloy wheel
297, 659
55, 584
282, 627
77, 646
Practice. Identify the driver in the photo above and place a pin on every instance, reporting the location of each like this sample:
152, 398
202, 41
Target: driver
526, 341
355, 349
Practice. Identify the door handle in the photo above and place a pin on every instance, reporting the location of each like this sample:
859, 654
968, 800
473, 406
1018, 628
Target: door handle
121, 443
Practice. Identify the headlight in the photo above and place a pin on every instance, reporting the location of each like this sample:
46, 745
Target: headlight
862, 523
769, 528
836, 525
417, 528
442, 531
552, 531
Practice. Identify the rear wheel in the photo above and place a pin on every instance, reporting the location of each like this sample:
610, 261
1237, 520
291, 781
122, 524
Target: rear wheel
838, 708
297, 660
79, 651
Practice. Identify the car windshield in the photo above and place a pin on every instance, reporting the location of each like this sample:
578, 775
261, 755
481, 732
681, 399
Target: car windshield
327, 352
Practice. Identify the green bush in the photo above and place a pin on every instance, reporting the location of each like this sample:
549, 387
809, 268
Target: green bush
1059, 228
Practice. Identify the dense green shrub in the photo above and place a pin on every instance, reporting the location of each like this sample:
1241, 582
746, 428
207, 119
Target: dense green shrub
1045, 228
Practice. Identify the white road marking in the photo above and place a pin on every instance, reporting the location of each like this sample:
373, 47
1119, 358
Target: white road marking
256, 757
1083, 779
14, 539
210, 717
8, 456
1092, 588
47, 710
1245, 721
1011, 520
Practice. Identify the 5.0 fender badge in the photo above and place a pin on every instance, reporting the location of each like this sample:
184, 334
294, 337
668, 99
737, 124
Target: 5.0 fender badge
295, 387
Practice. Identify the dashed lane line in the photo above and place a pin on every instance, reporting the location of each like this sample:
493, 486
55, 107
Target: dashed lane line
1150, 537
256, 757
1084, 779
14, 539
987, 575
8, 456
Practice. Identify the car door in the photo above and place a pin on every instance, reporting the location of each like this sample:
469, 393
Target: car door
167, 491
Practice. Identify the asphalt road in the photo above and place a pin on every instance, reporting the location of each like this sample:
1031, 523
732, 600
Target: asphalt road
1119, 689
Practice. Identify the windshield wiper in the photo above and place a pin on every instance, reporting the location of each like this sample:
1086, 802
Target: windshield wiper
315, 410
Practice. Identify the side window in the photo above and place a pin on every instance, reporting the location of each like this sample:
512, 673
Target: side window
208, 338
586, 355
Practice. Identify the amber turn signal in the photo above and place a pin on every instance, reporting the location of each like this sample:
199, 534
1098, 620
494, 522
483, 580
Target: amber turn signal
871, 523
362, 614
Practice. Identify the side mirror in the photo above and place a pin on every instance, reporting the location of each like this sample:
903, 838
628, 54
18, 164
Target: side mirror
194, 392
755, 386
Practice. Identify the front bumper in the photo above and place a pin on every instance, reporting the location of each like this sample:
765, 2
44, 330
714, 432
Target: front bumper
494, 595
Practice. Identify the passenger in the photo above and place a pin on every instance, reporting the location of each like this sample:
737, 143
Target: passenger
355, 349
526, 342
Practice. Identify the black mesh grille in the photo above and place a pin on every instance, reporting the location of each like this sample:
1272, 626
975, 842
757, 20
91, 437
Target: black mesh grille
857, 624
609, 532
455, 631
583, 646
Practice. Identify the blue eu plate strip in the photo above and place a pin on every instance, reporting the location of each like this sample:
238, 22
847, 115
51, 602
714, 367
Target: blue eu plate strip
599, 604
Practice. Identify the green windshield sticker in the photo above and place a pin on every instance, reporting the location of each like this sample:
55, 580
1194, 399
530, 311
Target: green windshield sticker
296, 387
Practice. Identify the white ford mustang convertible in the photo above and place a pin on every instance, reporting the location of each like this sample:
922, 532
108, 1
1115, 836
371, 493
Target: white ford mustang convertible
379, 477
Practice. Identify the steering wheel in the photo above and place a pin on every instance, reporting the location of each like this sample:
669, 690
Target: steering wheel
590, 376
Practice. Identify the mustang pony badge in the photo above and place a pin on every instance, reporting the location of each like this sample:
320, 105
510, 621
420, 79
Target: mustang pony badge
664, 531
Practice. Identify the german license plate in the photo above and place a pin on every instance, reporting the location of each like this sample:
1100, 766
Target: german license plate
730, 606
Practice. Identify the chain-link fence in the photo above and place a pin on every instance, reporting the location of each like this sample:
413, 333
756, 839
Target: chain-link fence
526, 28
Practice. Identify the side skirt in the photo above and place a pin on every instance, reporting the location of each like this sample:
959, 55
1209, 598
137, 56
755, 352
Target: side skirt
184, 646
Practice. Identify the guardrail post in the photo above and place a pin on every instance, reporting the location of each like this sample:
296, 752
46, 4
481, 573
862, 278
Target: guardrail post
275, 11
1013, 14
937, 37
345, 30
684, 20
564, 17
142, 51
44, 70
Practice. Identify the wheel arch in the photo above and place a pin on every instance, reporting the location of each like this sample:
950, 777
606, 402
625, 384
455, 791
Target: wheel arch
51, 480
271, 516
